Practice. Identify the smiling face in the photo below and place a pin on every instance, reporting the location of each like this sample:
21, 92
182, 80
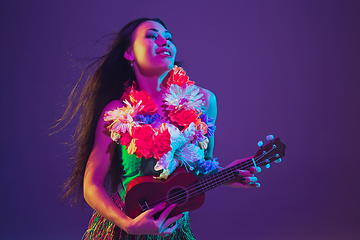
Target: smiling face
152, 49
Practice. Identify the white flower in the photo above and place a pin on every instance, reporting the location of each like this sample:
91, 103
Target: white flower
182, 151
204, 144
188, 97
122, 117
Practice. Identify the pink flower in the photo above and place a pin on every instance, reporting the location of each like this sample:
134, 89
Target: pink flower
178, 77
162, 141
184, 117
125, 139
142, 143
147, 102
202, 126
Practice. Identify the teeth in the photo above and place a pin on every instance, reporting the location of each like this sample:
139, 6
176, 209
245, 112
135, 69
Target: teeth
164, 53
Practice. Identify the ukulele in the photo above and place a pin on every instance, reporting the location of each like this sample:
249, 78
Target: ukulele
186, 189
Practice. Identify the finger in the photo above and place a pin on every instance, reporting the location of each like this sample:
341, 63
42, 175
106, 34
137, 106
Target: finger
254, 184
243, 173
172, 220
156, 209
249, 179
168, 230
166, 212
254, 170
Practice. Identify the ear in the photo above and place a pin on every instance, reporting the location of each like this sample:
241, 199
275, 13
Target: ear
129, 55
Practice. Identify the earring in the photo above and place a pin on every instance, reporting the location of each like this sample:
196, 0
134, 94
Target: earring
132, 63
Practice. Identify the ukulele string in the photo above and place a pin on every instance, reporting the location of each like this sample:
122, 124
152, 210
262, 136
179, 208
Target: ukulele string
192, 190
230, 175
227, 176
178, 198
230, 171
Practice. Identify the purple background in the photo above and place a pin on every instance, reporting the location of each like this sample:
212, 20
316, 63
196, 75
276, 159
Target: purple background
288, 68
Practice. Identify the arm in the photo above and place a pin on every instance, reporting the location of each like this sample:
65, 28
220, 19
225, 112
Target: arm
96, 170
95, 194
211, 111
245, 179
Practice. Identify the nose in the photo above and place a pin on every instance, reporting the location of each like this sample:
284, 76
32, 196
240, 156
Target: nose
162, 41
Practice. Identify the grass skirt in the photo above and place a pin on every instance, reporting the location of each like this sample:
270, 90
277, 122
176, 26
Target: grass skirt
102, 229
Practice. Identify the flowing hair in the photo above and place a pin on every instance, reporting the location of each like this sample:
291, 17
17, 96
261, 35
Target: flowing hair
107, 82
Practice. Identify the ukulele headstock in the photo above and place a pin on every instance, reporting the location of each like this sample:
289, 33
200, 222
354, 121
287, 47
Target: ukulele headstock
271, 152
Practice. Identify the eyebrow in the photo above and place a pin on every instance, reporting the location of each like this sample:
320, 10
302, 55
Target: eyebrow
155, 30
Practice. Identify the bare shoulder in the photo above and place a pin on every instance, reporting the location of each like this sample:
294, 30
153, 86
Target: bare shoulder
113, 105
210, 102
101, 128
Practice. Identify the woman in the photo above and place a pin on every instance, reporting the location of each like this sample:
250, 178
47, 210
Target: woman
141, 108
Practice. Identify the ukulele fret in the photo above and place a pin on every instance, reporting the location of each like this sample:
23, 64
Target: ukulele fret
213, 181
143, 204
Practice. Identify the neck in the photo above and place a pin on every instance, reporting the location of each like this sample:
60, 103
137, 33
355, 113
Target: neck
152, 84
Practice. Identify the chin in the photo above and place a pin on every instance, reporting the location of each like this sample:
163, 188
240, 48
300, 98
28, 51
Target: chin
160, 67
165, 66
171, 66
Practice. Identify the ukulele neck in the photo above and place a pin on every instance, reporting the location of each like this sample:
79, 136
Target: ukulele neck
266, 155
223, 176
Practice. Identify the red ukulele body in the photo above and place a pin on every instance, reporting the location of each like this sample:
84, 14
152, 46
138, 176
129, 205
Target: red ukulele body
179, 188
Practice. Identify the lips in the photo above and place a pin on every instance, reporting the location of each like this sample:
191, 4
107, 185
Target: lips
163, 52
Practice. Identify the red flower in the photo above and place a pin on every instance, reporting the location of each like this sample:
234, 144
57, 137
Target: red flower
162, 141
125, 139
178, 77
142, 139
184, 117
146, 101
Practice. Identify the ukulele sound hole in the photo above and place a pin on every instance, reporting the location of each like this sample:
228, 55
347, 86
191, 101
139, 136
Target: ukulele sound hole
177, 195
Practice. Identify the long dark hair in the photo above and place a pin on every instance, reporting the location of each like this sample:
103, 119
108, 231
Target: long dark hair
111, 76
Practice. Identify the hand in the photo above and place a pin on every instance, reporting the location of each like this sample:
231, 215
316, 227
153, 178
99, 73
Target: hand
245, 179
146, 224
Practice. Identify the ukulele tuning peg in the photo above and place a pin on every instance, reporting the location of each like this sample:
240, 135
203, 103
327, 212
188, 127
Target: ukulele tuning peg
267, 165
269, 137
277, 160
260, 143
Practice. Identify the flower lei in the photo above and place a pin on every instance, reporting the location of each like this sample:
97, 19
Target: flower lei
182, 140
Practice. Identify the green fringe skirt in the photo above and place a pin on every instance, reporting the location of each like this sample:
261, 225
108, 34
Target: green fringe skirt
102, 229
